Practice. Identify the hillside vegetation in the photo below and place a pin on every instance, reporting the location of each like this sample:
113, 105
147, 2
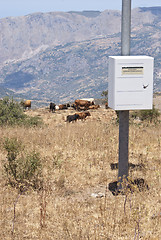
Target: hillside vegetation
73, 200
12, 114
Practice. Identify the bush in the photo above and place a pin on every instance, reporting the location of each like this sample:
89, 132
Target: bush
23, 170
149, 115
11, 113
32, 121
117, 119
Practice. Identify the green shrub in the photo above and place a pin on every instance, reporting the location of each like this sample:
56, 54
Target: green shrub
117, 119
11, 113
23, 170
105, 94
32, 121
150, 115
134, 114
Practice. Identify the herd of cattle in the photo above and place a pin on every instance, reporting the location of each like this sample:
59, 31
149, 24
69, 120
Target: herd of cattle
81, 105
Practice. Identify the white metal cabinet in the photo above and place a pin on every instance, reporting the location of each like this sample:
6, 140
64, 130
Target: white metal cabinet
130, 83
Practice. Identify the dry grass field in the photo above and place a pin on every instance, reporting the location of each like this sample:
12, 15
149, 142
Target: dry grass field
75, 202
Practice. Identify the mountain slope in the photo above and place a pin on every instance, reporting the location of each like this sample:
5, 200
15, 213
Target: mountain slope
22, 36
75, 62
63, 72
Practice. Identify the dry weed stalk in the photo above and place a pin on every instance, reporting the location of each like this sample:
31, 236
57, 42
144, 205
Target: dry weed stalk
14, 212
43, 204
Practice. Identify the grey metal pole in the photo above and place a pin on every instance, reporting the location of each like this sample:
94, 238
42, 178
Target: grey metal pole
125, 27
124, 115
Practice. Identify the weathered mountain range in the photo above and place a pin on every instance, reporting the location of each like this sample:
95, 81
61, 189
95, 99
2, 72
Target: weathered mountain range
61, 56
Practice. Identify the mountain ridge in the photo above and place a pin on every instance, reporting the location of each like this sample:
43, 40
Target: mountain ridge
77, 67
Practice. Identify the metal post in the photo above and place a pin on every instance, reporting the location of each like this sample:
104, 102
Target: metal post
126, 27
123, 144
124, 115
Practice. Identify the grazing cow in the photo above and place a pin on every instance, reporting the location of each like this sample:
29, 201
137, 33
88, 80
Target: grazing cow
83, 115
73, 105
94, 106
106, 105
63, 106
26, 104
52, 107
91, 100
72, 118
56, 107
80, 108
82, 104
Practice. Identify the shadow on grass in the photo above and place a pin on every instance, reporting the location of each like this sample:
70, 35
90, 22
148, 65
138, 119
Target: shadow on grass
138, 182
114, 166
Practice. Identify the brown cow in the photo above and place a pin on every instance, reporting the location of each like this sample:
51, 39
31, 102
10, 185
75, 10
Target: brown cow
80, 108
63, 106
83, 115
82, 104
91, 100
26, 104
106, 105
94, 106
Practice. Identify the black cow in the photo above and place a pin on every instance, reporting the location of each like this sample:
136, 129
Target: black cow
71, 118
73, 105
52, 107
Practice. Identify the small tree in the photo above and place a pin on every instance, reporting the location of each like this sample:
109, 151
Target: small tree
23, 170
105, 94
10, 112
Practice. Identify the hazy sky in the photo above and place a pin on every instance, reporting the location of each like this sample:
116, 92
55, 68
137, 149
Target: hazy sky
23, 7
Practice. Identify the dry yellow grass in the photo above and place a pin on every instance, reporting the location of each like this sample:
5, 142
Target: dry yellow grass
76, 160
